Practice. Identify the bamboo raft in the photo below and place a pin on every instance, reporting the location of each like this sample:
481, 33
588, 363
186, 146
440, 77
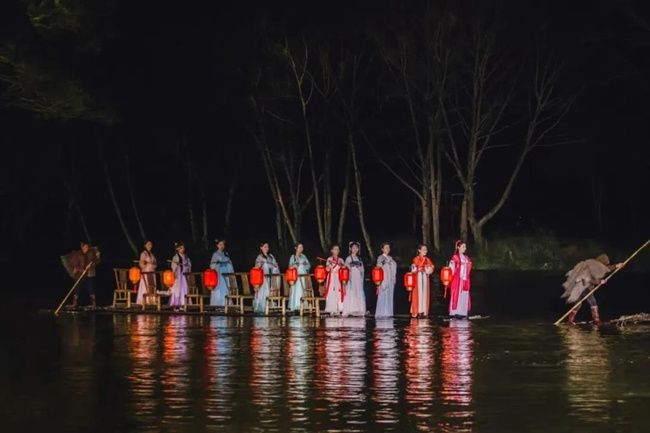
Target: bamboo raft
239, 299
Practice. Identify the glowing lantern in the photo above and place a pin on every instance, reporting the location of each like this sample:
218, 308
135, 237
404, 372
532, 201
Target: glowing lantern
134, 275
445, 277
409, 281
169, 278
291, 275
320, 273
256, 277
210, 279
344, 275
377, 275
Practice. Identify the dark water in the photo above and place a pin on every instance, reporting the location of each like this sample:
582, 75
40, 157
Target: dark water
122, 373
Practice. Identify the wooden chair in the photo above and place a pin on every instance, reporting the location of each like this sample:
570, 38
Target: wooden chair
123, 290
151, 296
277, 299
196, 293
310, 302
238, 295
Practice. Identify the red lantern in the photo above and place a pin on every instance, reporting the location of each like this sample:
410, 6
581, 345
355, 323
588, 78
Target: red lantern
377, 275
291, 275
320, 273
210, 279
256, 277
409, 281
445, 275
169, 278
134, 275
344, 275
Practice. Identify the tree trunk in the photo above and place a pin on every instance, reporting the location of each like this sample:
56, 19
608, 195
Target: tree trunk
190, 207
327, 205
357, 181
228, 212
116, 206
132, 197
204, 214
344, 200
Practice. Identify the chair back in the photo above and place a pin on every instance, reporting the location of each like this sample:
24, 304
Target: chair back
151, 282
233, 286
192, 283
245, 285
121, 278
276, 285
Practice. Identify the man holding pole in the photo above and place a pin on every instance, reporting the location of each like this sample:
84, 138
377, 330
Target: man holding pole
582, 279
76, 264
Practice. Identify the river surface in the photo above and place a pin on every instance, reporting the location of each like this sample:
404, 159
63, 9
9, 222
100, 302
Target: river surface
188, 373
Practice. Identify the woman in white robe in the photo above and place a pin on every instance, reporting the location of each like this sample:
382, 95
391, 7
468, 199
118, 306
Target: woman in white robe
354, 303
181, 266
148, 265
334, 294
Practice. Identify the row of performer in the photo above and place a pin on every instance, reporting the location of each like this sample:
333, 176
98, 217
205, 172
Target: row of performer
342, 278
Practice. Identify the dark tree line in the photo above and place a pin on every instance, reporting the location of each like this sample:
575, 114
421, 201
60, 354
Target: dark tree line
441, 101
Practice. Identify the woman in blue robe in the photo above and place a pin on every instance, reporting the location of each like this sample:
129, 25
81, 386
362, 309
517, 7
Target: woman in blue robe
270, 267
221, 263
299, 261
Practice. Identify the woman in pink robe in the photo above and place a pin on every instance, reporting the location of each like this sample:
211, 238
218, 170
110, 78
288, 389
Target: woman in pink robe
461, 266
148, 265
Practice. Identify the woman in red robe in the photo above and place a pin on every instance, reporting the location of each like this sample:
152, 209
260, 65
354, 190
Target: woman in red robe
423, 267
461, 267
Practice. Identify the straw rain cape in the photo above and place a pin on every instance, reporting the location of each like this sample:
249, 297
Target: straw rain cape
584, 275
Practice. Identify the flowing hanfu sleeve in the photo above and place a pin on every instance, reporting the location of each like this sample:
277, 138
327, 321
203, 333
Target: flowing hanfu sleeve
142, 263
428, 266
393, 271
305, 264
275, 268
229, 268
214, 261
292, 261
259, 261
414, 266
175, 263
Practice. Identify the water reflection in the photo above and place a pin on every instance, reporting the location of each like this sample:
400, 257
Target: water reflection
456, 376
266, 364
219, 368
341, 371
588, 374
419, 365
385, 373
143, 348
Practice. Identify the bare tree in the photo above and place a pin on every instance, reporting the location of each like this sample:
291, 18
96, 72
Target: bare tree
418, 60
474, 122
127, 168
116, 207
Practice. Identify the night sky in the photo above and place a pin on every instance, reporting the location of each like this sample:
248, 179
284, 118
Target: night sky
173, 86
